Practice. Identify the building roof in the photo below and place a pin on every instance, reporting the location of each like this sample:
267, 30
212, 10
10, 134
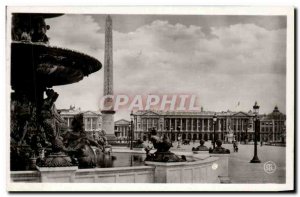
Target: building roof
72, 112
122, 122
190, 113
275, 115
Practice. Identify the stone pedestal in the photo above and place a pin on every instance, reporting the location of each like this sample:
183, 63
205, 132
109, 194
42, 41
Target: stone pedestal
201, 152
200, 171
108, 125
57, 174
222, 168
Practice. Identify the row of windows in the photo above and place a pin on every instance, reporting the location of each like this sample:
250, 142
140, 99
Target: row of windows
121, 128
188, 124
89, 123
271, 123
271, 129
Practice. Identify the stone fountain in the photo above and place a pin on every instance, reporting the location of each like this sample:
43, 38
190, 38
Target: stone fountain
36, 127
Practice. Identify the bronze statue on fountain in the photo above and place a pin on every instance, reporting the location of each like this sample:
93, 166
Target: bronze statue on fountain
82, 146
162, 146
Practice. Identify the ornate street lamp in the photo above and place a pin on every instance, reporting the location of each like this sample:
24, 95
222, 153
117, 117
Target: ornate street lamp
214, 122
256, 127
131, 130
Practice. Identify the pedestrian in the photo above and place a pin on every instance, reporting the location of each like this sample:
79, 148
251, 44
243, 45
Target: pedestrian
235, 147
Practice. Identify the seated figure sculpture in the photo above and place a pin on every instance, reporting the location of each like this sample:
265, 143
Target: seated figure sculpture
162, 146
219, 149
79, 144
139, 144
202, 147
30, 28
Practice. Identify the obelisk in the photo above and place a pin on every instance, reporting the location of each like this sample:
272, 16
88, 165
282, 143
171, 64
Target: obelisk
108, 111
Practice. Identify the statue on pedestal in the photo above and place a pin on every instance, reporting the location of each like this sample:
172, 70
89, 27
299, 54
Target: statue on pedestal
219, 149
163, 154
201, 147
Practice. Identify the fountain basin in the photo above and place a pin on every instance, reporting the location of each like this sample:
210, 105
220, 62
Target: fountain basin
50, 66
198, 169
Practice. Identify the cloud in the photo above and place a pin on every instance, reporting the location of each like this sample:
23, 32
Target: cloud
240, 62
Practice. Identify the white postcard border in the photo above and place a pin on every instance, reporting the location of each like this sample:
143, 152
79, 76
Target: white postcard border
178, 10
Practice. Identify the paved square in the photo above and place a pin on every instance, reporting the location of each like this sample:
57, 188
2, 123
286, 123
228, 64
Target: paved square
242, 171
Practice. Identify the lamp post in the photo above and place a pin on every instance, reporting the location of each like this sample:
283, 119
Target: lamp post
178, 137
214, 122
131, 132
94, 135
172, 136
256, 126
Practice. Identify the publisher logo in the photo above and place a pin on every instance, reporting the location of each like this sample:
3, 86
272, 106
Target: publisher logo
214, 166
270, 167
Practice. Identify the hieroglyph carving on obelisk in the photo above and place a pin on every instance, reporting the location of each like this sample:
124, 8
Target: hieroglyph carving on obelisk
108, 58
108, 111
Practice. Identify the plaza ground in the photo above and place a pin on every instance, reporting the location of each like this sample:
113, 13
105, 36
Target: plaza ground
240, 168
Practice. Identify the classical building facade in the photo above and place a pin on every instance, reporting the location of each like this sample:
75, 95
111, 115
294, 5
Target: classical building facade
195, 125
272, 126
122, 129
91, 119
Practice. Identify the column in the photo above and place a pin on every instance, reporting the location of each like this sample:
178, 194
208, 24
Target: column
208, 133
242, 124
146, 124
202, 126
92, 124
207, 124
180, 123
152, 123
237, 129
170, 123
241, 129
68, 122
197, 129
186, 124
219, 125
192, 124
273, 129
226, 123
175, 125
236, 125
85, 124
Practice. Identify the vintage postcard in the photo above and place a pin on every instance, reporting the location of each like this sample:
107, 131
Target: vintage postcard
155, 98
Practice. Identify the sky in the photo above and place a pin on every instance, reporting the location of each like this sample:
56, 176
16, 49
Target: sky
228, 62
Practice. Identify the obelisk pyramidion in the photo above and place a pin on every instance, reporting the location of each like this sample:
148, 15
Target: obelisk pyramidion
108, 111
